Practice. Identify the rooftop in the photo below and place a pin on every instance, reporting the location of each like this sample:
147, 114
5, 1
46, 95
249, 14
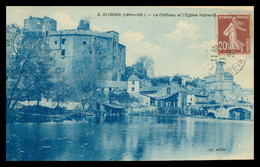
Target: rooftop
133, 78
112, 84
152, 88
80, 32
160, 97
156, 88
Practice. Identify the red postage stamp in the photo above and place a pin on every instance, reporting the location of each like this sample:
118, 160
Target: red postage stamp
233, 33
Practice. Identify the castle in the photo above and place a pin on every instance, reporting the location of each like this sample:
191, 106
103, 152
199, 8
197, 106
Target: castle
74, 46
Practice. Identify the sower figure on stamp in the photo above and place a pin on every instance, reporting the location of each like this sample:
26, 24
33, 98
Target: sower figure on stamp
231, 31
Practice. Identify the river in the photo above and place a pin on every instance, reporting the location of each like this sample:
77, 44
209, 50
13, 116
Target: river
130, 138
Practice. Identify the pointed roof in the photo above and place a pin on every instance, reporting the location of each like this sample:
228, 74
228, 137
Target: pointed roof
133, 78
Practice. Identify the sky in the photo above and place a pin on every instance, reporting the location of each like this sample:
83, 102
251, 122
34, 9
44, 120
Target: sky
176, 43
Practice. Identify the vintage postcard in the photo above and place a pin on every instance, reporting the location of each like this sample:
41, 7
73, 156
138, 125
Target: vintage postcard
89, 83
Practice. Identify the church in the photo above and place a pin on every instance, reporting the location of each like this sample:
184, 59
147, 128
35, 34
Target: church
220, 85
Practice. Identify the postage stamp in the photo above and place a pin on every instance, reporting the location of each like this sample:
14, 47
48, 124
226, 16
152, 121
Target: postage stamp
233, 33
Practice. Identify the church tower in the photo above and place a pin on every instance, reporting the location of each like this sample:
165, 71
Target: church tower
219, 71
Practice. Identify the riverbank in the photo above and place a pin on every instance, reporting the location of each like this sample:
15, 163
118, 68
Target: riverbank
38, 113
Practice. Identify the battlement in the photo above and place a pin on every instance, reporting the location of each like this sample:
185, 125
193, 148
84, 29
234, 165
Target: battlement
78, 32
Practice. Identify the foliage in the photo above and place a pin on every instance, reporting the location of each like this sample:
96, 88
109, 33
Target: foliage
28, 65
129, 70
192, 83
42, 110
143, 68
177, 80
61, 91
84, 80
147, 64
122, 97
160, 81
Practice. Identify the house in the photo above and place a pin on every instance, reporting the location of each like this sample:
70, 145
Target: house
133, 84
194, 98
107, 86
167, 96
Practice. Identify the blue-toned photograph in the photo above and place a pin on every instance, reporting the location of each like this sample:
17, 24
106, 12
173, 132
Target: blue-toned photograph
129, 83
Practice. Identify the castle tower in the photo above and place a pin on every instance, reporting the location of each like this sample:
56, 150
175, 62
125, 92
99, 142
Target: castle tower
44, 24
83, 25
49, 24
33, 23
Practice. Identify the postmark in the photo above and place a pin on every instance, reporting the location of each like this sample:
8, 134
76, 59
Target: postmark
233, 34
233, 63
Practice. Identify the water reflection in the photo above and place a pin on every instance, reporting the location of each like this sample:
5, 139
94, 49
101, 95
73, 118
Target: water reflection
129, 138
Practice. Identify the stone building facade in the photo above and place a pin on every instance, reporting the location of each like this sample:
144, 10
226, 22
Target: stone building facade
44, 24
220, 85
74, 46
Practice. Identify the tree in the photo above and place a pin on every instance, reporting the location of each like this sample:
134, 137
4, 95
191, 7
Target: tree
160, 81
123, 97
84, 77
28, 65
61, 91
192, 83
177, 80
129, 70
139, 70
147, 64
143, 68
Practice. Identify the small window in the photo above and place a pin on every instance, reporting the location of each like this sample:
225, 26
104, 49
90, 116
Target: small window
190, 99
84, 42
168, 91
55, 42
63, 41
63, 52
47, 33
110, 89
133, 89
133, 82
